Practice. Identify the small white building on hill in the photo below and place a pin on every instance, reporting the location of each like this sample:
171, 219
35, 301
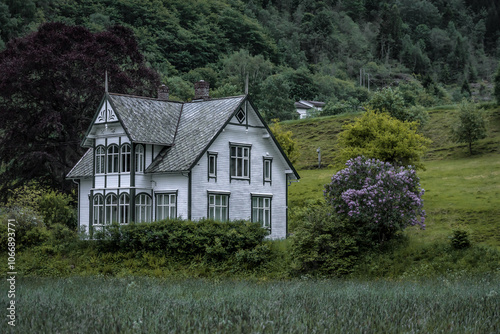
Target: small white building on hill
305, 108
152, 159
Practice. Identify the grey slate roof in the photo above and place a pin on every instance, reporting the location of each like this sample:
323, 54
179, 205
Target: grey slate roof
147, 120
199, 123
83, 168
191, 125
299, 105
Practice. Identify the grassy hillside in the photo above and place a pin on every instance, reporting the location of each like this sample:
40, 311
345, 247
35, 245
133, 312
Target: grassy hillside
322, 132
462, 191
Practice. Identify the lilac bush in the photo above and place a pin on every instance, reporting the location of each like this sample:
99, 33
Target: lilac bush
377, 197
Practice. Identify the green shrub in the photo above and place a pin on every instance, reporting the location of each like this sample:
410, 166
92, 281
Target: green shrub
55, 208
252, 258
460, 239
323, 245
342, 107
210, 240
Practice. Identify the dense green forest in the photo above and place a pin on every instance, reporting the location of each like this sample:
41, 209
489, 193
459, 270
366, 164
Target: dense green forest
290, 49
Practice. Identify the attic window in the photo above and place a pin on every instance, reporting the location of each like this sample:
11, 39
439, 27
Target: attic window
240, 116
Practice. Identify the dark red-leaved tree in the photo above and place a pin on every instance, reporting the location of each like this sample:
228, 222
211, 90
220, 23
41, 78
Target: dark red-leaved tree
51, 83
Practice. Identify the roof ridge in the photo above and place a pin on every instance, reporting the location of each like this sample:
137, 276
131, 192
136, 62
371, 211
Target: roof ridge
144, 97
182, 102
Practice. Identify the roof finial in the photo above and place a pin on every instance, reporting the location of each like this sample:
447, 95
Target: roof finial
246, 84
106, 82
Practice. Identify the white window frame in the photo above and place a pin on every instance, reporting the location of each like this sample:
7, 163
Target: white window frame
166, 206
142, 208
125, 161
98, 210
100, 160
239, 161
267, 172
212, 165
139, 158
261, 210
218, 206
110, 209
113, 159
124, 208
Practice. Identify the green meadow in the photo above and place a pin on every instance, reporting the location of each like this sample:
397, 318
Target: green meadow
147, 305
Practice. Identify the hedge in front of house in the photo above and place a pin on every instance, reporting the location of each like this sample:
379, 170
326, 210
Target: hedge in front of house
183, 239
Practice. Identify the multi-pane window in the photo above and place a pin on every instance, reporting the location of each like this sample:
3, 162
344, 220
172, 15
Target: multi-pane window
261, 211
212, 165
267, 169
124, 209
240, 162
98, 209
125, 158
139, 158
113, 155
218, 207
166, 206
100, 160
142, 208
111, 209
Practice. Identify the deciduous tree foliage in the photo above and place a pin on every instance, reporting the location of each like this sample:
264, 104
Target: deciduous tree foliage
470, 126
284, 138
51, 83
380, 136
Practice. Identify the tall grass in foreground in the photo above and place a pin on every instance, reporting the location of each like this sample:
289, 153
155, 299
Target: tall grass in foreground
141, 305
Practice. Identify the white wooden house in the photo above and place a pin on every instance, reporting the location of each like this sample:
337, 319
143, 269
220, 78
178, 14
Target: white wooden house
151, 159
307, 108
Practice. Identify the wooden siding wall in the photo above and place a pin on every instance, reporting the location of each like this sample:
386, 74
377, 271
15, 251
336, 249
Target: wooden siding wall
241, 190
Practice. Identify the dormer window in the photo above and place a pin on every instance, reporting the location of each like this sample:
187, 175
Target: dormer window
113, 155
139, 158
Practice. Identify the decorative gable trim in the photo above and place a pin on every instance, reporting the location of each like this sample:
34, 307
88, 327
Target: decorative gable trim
106, 114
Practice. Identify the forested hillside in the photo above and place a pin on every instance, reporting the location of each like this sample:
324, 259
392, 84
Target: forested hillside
292, 49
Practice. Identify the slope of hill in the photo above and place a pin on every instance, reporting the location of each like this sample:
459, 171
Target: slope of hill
462, 191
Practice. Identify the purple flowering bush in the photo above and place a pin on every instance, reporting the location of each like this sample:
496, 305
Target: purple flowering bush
378, 198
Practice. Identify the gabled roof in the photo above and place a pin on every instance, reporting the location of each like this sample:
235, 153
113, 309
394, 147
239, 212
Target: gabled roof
184, 129
147, 120
199, 123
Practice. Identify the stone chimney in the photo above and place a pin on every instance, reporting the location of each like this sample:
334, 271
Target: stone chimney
163, 93
201, 90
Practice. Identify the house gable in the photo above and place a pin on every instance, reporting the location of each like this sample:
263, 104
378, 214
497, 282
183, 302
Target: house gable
106, 114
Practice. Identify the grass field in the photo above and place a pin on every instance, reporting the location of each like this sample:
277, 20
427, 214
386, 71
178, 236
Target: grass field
142, 305
459, 193
462, 191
